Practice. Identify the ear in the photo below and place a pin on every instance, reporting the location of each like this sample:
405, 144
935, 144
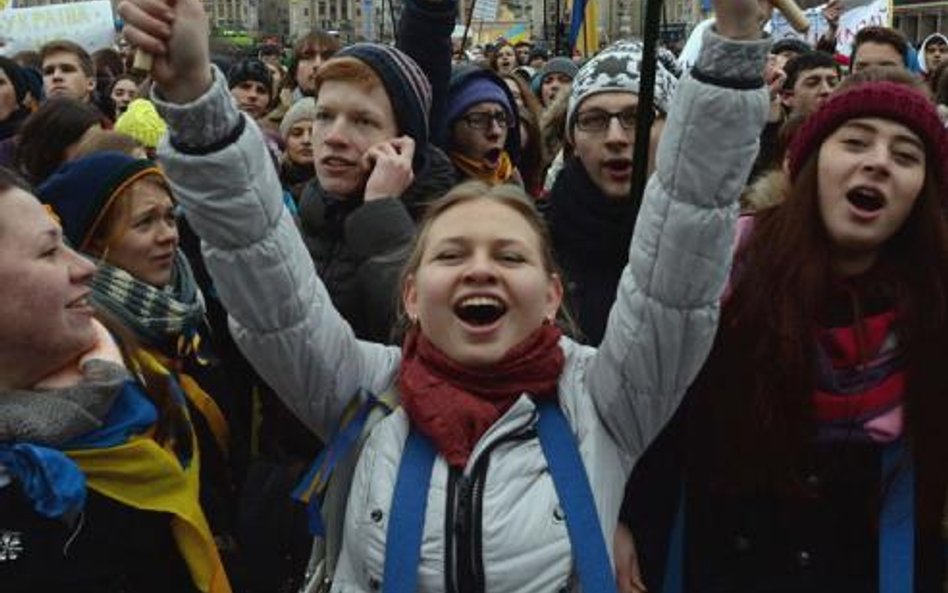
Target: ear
786, 99
90, 85
410, 297
554, 296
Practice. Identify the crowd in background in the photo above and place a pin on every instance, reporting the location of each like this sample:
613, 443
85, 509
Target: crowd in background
214, 271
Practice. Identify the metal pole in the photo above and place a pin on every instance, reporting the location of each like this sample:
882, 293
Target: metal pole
646, 109
467, 25
391, 8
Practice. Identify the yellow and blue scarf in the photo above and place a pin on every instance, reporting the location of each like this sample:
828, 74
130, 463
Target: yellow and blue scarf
122, 461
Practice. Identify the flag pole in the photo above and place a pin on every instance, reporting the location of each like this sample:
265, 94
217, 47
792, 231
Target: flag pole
646, 109
467, 25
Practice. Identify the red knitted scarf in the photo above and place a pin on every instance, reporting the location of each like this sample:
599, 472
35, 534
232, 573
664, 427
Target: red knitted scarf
454, 405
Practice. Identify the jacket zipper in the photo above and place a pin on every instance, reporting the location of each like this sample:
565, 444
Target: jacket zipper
468, 516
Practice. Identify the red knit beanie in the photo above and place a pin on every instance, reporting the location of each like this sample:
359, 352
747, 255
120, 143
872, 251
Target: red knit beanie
883, 99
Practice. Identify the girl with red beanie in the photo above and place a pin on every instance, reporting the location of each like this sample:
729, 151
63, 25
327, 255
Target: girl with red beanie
811, 452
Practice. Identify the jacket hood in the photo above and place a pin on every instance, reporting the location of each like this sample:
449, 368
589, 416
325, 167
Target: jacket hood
921, 49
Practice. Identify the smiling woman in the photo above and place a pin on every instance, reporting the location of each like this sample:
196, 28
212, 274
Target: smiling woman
119, 211
78, 432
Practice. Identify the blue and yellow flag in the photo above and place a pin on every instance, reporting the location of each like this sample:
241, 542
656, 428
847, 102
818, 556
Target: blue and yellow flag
584, 27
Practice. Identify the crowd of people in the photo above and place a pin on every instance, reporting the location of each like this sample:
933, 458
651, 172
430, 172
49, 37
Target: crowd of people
376, 317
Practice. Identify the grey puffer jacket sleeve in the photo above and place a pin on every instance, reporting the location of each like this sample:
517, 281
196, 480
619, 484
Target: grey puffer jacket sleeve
662, 324
280, 312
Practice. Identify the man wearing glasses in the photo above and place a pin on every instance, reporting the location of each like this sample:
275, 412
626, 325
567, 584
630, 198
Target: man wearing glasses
591, 213
483, 130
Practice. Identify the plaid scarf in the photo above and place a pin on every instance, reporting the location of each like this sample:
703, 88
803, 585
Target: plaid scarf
860, 382
160, 317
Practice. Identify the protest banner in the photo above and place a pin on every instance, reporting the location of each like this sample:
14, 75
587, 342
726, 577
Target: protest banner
90, 24
860, 14
780, 28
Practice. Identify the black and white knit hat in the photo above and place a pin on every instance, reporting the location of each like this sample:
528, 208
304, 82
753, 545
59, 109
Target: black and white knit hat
618, 68
405, 83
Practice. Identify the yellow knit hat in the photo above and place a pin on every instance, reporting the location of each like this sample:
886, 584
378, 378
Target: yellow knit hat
142, 122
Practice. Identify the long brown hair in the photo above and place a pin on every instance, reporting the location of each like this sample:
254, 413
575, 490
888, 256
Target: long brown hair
756, 390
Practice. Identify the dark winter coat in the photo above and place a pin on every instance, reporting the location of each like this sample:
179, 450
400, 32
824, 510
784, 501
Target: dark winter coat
359, 247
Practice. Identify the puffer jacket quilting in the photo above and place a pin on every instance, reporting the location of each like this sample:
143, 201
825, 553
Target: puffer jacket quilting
616, 398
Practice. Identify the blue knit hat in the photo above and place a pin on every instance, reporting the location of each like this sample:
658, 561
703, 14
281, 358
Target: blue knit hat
81, 191
476, 90
407, 87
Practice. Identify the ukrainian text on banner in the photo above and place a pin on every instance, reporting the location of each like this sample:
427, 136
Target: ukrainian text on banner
90, 24
860, 14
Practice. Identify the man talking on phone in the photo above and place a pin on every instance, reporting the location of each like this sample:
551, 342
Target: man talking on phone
375, 173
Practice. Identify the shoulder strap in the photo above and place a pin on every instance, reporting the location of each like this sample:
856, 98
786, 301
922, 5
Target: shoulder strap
575, 494
410, 499
897, 522
407, 516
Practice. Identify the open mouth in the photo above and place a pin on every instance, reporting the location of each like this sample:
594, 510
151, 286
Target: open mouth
480, 310
618, 167
492, 156
80, 303
865, 199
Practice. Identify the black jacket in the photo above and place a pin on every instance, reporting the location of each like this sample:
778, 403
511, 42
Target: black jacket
109, 548
359, 247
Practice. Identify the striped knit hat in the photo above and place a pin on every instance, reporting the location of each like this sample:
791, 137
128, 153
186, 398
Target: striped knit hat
406, 85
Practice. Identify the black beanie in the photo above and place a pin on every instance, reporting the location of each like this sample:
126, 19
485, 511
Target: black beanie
250, 69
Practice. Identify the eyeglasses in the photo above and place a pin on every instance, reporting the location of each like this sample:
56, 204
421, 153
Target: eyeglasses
598, 120
482, 120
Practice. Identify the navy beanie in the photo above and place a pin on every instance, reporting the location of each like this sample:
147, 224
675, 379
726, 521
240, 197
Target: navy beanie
477, 89
80, 192
250, 69
407, 87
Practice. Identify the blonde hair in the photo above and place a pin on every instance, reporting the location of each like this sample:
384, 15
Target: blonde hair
115, 221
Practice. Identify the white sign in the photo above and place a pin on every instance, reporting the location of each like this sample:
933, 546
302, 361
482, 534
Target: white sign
870, 14
90, 24
780, 27
486, 10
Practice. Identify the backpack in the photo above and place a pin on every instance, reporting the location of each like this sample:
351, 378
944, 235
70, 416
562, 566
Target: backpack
407, 515
325, 487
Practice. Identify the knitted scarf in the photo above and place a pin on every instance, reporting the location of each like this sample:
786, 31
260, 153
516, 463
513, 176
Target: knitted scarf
166, 320
585, 222
454, 405
160, 317
860, 382
484, 171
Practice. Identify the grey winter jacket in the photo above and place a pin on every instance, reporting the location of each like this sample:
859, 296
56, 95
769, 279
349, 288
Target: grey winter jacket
616, 397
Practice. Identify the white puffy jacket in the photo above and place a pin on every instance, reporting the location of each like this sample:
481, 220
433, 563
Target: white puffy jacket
497, 527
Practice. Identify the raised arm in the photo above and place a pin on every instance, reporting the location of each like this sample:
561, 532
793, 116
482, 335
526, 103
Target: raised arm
663, 322
424, 33
215, 158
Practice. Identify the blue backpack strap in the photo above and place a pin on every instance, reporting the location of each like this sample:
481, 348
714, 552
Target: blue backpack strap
897, 522
674, 581
572, 487
406, 521
313, 484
